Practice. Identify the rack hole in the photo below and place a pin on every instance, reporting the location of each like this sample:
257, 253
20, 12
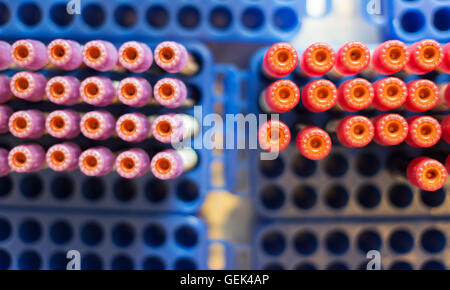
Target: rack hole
58, 261
153, 263
369, 240
154, 235
441, 19
368, 164
189, 17
62, 187
93, 15
337, 266
125, 16
336, 197
304, 197
156, 190
433, 265
5, 14
433, 241
187, 191
185, 264
5, 260
273, 243
61, 232
337, 242
124, 189
6, 185
401, 241
30, 231
305, 243
272, 197
400, 195
186, 236
29, 14
59, 15
369, 196
252, 18
305, 267
92, 233
433, 198
157, 16
220, 17
5, 229
303, 167
31, 186
273, 267
285, 19
412, 21
93, 188
29, 260
336, 165
91, 261
122, 262
401, 266
123, 235
272, 168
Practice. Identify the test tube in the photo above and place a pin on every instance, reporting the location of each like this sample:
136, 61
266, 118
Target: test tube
313, 143
134, 91
390, 57
274, 136
280, 97
63, 157
29, 54
97, 91
317, 60
423, 95
426, 173
5, 56
97, 161
26, 158
63, 124
29, 86
280, 60
390, 93
5, 90
133, 127
355, 95
424, 131
63, 90
445, 125
355, 131
426, 55
5, 114
170, 128
100, 55
170, 163
27, 124
352, 58
445, 66
135, 56
132, 163
65, 54
390, 129
4, 166
170, 92
97, 125
174, 58
319, 96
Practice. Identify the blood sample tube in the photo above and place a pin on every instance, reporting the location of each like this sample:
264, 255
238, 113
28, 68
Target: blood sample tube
134, 91
29, 54
390, 57
423, 95
424, 131
26, 158
97, 125
390, 93
63, 90
426, 173
65, 54
97, 161
172, 128
170, 164
274, 136
4, 166
426, 55
390, 129
27, 124
97, 91
132, 163
100, 55
280, 60
63, 124
445, 125
133, 127
319, 96
173, 58
355, 131
5, 90
135, 56
313, 143
29, 86
445, 66
352, 58
5, 114
170, 92
5, 56
63, 157
280, 97
355, 95
318, 59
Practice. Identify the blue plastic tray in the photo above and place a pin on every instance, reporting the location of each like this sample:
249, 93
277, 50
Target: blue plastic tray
38, 240
402, 245
410, 21
48, 189
348, 183
214, 20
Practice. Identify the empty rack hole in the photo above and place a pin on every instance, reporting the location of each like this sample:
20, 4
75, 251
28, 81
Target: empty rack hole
220, 17
157, 16
93, 188
189, 17
401, 266
5, 260
304, 197
285, 19
29, 260
91, 261
93, 15
122, 262
30, 231
400, 195
272, 197
186, 236
125, 189
5, 229
433, 265
441, 19
62, 187
252, 18
272, 168
336, 165
29, 14
6, 186
302, 166
187, 191
31, 186
125, 16
369, 240
368, 196
92, 233
368, 164
273, 243
412, 21
156, 190
61, 232
154, 235
123, 235
5, 14
60, 16
337, 242
305, 243
185, 264
153, 263
433, 241
336, 197
401, 241
433, 198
